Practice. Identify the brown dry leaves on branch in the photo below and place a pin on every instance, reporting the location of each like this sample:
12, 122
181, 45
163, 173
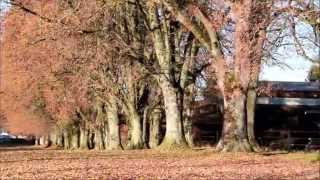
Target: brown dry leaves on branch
148, 164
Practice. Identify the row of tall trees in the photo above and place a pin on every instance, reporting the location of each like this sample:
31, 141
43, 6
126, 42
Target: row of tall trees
78, 70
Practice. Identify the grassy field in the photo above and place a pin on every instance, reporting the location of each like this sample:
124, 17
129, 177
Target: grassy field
38, 163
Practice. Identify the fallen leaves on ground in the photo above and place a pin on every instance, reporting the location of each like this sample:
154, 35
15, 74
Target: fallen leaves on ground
38, 163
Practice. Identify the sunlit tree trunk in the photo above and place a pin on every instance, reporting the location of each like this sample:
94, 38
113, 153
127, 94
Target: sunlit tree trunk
74, 138
45, 140
113, 125
37, 141
59, 138
106, 135
187, 125
136, 141
91, 138
187, 99
98, 139
144, 126
174, 137
234, 133
84, 138
155, 124
66, 139
251, 107
41, 140
53, 137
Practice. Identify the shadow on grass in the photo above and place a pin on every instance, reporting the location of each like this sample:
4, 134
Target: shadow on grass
273, 153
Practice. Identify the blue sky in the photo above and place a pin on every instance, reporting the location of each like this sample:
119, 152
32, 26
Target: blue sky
298, 66
298, 70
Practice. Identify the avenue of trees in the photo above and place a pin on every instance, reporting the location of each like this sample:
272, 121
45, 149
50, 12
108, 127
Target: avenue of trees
74, 71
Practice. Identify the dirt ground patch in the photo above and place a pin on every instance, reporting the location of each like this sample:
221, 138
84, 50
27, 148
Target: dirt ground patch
37, 163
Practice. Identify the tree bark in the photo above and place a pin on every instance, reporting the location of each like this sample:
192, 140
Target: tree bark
37, 141
113, 125
59, 138
98, 139
66, 139
42, 141
187, 114
53, 137
144, 126
155, 122
84, 139
91, 139
106, 134
174, 137
135, 130
251, 107
74, 139
187, 126
234, 133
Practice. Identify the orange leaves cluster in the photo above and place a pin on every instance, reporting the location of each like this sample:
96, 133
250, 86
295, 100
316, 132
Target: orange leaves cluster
39, 62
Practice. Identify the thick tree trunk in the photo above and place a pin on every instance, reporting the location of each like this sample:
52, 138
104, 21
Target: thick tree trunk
53, 137
234, 133
48, 141
37, 141
66, 139
155, 122
144, 126
84, 138
187, 126
251, 106
42, 140
91, 139
174, 137
106, 135
59, 138
98, 139
113, 126
136, 141
187, 115
74, 138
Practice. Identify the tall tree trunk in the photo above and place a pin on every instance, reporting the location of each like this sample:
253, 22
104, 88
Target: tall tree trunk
135, 130
74, 139
84, 138
251, 107
42, 140
37, 141
113, 125
53, 137
187, 126
59, 138
106, 134
144, 126
187, 114
45, 141
234, 133
91, 138
155, 122
174, 136
98, 139
66, 138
